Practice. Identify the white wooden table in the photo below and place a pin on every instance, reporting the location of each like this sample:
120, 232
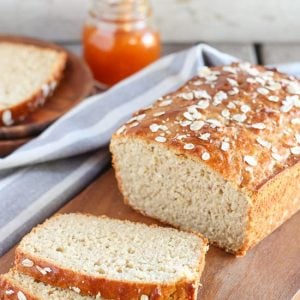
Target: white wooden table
230, 25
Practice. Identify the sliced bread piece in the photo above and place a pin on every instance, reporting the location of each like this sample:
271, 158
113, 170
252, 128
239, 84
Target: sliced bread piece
219, 156
29, 74
118, 259
17, 286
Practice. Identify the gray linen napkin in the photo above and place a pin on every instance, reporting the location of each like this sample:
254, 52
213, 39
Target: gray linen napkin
41, 176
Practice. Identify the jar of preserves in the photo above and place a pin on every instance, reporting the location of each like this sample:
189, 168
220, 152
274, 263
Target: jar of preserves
119, 39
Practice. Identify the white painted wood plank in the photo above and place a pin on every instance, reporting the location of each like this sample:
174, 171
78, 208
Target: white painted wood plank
242, 51
75, 48
178, 20
281, 53
228, 20
168, 48
56, 20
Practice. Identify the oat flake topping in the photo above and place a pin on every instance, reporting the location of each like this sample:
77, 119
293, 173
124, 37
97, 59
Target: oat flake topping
250, 160
295, 150
204, 136
225, 146
188, 146
21, 296
160, 139
241, 120
205, 156
9, 292
27, 263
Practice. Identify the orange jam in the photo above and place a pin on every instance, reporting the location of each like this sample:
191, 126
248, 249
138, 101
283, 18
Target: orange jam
115, 54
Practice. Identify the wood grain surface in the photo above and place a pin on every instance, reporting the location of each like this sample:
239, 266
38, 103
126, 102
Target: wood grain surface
76, 84
178, 20
269, 271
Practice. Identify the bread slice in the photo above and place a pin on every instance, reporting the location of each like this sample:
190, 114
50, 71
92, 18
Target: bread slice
17, 286
113, 258
219, 156
29, 74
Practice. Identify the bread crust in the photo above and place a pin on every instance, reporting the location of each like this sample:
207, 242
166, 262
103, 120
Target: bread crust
107, 288
245, 121
266, 204
173, 118
6, 286
271, 205
20, 111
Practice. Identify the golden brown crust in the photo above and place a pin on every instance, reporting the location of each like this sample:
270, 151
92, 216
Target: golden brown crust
20, 111
246, 127
274, 203
270, 177
9, 290
269, 207
110, 289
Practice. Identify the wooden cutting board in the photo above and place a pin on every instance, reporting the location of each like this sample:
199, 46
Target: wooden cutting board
77, 83
270, 271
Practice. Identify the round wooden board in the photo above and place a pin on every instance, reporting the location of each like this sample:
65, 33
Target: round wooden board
77, 83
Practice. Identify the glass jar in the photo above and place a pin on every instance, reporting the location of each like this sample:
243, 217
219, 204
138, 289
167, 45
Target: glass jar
119, 39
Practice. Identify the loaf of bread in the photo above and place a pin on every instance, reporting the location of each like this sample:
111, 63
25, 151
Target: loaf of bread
29, 74
17, 286
219, 156
113, 259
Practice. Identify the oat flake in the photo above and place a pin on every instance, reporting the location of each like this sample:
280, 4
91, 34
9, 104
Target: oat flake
245, 108
21, 296
187, 96
201, 94
295, 150
205, 156
204, 136
188, 146
295, 121
273, 98
250, 160
234, 91
158, 114
276, 156
165, 103
203, 104
263, 143
239, 118
262, 91
27, 263
154, 127
196, 125
258, 126
160, 139
232, 82
9, 292
225, 113
225, 146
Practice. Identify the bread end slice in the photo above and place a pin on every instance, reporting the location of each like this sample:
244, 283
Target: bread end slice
17, 286
118, 259
29, 75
